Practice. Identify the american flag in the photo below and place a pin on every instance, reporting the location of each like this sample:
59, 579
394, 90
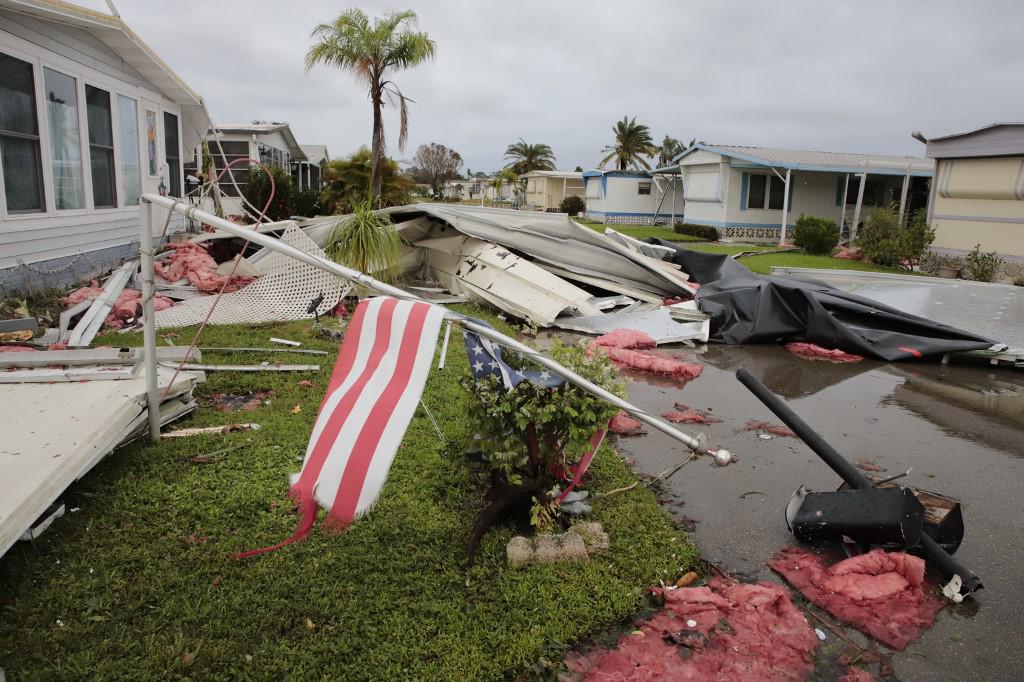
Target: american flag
485, 360
371, 398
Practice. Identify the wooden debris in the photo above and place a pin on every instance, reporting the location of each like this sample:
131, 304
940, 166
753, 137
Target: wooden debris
245, 368
199, 430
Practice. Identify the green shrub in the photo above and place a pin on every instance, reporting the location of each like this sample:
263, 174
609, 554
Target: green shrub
257, 190
816, 236
366, 241
981, 267
884, 242
573, 205
702, 231
307, 203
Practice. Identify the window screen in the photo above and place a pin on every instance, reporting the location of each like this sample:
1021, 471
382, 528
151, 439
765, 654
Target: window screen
172, 153
19, 137
65, 139
101, 147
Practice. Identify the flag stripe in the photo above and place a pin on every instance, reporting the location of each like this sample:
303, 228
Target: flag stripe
340, 447
321, 442
350, 489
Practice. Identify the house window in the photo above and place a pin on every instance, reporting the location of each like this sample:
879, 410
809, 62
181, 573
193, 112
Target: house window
762, 188
224, 153
65, 140
592, 187
101, 147
643, 188
172, 153
19, 137
128, 139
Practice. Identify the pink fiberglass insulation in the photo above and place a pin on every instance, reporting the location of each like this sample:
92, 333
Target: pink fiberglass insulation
192, 261
857, 675
882, 594
810, 351
16, 349
125, 307
849, 253
687, 415
774, 429
649, 362
623, 424
624, 338
725, 632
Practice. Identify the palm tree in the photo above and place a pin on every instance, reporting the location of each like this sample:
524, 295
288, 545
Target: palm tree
373, 53
670, 148
501, 178
632, 142
527, 157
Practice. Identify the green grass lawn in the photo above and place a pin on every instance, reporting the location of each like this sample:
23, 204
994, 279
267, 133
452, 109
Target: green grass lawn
140, 584
641, 231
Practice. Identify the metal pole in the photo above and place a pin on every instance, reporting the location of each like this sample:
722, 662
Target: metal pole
697, 444
148, 315
903, 196
842, 210
785, 207
856, 209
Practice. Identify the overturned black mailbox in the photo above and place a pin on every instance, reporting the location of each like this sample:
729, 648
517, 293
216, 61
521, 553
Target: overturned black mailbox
879, 516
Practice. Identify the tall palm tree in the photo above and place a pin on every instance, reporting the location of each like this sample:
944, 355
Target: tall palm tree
373, 53
632, 143
670, 148
525, 157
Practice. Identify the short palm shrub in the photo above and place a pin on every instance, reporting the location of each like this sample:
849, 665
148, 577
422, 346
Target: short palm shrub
816, 236
366, 241
980, 266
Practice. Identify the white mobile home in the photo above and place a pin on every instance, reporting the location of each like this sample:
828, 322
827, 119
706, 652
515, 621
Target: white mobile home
90, 118
546, 189
271, 143
632, 197
750, 192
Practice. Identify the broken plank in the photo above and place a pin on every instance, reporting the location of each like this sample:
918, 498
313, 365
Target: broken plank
238, 349
49, 375
89, 325
199, 430
244, 368
65, 318
93, 356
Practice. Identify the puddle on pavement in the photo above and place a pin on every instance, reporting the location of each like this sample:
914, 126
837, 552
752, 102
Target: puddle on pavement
960, 427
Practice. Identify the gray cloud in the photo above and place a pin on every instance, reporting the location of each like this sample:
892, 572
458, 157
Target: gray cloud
841, 75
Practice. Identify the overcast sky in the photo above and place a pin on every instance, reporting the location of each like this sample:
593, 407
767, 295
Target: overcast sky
854, 76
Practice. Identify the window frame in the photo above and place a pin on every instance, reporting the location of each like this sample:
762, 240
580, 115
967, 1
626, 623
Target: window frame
41, 152
90, 145
644, 184
771, 182
40, 58
178, 177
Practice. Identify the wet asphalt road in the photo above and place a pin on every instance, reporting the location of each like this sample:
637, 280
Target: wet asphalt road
960, 427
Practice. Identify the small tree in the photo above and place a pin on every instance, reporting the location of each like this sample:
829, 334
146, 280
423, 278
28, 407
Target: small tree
257, 191
981, 266
435, 165
573, 205
816, 236
884, 241
347, 183
366, 241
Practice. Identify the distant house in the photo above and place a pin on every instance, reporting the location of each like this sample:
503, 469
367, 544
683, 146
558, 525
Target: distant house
978, 193
477, 189
632, 197
90, 118
743, 190
547, 189
271, 143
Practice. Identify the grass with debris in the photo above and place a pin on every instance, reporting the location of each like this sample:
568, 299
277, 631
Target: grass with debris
138, 581
641, 231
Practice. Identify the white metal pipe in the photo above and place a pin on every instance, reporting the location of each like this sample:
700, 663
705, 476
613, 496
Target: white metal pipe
785, 206
856, 209
903, 196
694, 443
842, 211
148, 315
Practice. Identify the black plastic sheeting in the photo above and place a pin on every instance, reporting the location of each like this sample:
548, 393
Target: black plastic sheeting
750, 308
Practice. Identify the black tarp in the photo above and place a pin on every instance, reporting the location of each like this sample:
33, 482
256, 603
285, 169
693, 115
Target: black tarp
750, 308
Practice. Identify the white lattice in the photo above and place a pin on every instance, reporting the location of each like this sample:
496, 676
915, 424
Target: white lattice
753, 234
283, 292
627, 219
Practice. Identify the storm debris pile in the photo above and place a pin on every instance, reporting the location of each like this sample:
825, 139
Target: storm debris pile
193, 262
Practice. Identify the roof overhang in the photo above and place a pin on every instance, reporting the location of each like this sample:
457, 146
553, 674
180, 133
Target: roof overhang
865, 167
133, 50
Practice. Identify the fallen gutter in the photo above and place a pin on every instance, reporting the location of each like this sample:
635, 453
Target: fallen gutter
89, 325
697, 444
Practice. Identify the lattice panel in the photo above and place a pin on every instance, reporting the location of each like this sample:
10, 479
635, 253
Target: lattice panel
283, 292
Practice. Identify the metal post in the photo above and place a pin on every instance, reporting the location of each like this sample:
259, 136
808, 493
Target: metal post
860, 202
673, 223
785, 206
842, 210
697, 444
903, 196
148, 315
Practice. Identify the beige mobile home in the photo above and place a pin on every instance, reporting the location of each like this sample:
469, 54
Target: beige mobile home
978, 193
546, 189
